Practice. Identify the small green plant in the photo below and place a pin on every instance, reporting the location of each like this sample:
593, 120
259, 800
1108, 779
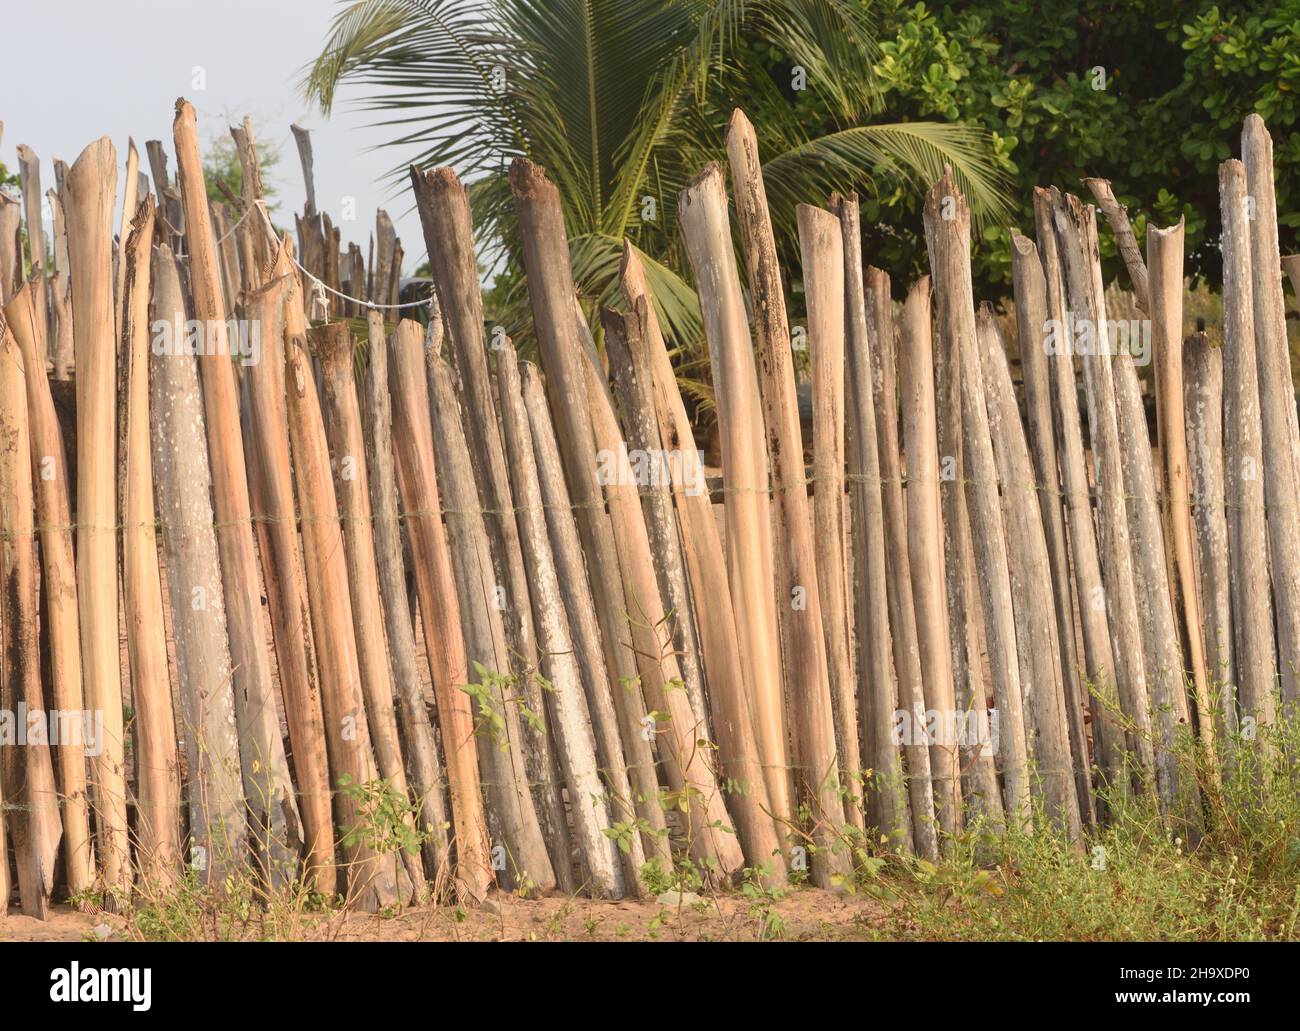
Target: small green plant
389, 820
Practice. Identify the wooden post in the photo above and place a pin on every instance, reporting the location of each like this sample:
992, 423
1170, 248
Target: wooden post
448, 232
332, 345
584, 627
887, 806
439, 608
1165, 260
251, 189
27, 767
89, 191
1098, 666
1243, 461
271, 502
1291, 266
702, 209
371, 881
1277, 404
157, 764
654, 467
58, 587
11, 259
902, 610
813, 709
1166, 318
1029, 567
947, 241
218, 826
130, 203
1203, 405
682, 738
302, 138
948, 235
1030, 289
1117, 215
267, 785
630, 376
499, 697
60, 288
565, 701
1073, 220
1166, 678
731, 707
29, 171
947, 221
413, 716
803, 644
925, 553
551, 292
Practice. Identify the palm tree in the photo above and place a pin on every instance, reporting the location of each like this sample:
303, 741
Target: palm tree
622, 101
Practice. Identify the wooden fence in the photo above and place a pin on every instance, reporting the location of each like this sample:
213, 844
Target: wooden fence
237, 547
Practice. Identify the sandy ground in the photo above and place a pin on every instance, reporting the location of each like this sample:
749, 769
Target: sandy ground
806, 914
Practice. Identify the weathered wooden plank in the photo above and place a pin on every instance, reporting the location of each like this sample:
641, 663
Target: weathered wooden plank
682, 738
59, 591
271, 502
812, 708
1165, 260
1277, 405
731, 706
1243, 462
88, 198
1203, 405
444, 209
439, 606
218, 824
566, 703
268, 788
902, 610
333, 348
413, 716
501, 755
551, 293
1030, 290
25, 763
803, 646
374, 881
1072, 220
1098, 666
1029, 567
157, 763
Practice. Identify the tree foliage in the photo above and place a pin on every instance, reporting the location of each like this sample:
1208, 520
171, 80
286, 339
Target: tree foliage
623, 101
1150, 94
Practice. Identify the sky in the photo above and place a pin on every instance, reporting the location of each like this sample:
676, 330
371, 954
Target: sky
76, 70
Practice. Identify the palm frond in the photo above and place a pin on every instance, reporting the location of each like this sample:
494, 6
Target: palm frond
597, 262
915, 152
437, 65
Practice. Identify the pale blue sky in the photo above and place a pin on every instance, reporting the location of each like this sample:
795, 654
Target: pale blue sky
75, 70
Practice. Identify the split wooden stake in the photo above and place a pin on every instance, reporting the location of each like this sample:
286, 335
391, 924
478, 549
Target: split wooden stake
218, 825
58, 587
439, 607
88, 195
157, 763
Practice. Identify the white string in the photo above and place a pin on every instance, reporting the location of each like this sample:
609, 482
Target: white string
247, 211
371, 305
356, 300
